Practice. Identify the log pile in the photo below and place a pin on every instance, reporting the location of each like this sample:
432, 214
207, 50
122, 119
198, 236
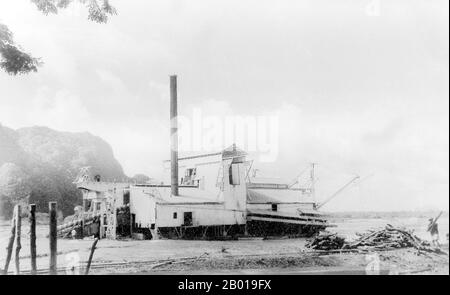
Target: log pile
390, 238
326, 241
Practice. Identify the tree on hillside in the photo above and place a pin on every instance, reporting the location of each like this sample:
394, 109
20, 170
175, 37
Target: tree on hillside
14, 188
14, 60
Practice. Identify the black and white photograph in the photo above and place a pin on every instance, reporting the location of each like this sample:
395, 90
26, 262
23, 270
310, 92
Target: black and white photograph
210, 138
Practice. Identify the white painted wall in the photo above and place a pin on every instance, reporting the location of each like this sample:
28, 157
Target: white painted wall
202, 215
235, 196
287, 208
156, 205
142, 205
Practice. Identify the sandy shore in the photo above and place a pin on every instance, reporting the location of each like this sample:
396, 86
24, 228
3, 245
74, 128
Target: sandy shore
286, 256
402, 261
252, 256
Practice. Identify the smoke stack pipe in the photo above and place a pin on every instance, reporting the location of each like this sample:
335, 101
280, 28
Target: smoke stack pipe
173, 136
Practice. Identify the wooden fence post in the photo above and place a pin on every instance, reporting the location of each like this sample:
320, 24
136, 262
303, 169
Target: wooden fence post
12, 236
32, 219
53, 237
18, 235
90, 256
82, 226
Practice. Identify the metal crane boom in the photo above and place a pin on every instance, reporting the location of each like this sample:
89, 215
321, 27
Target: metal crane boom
295, 181
337, 192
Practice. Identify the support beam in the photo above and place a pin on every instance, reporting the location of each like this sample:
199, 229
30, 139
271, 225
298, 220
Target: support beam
18, 218
173, 136
32, 220
52, 236
12, 236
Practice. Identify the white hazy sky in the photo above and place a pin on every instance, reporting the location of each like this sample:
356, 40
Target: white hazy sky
361, 86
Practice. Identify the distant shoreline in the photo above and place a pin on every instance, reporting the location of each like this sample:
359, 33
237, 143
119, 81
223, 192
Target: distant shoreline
386, 214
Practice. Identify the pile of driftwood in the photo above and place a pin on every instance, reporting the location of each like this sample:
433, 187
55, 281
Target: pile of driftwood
326, 241
390, 238
387, 238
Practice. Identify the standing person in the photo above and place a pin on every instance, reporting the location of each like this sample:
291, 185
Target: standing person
434, 231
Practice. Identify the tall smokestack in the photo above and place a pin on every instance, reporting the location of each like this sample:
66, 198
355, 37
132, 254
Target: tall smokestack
173, 136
